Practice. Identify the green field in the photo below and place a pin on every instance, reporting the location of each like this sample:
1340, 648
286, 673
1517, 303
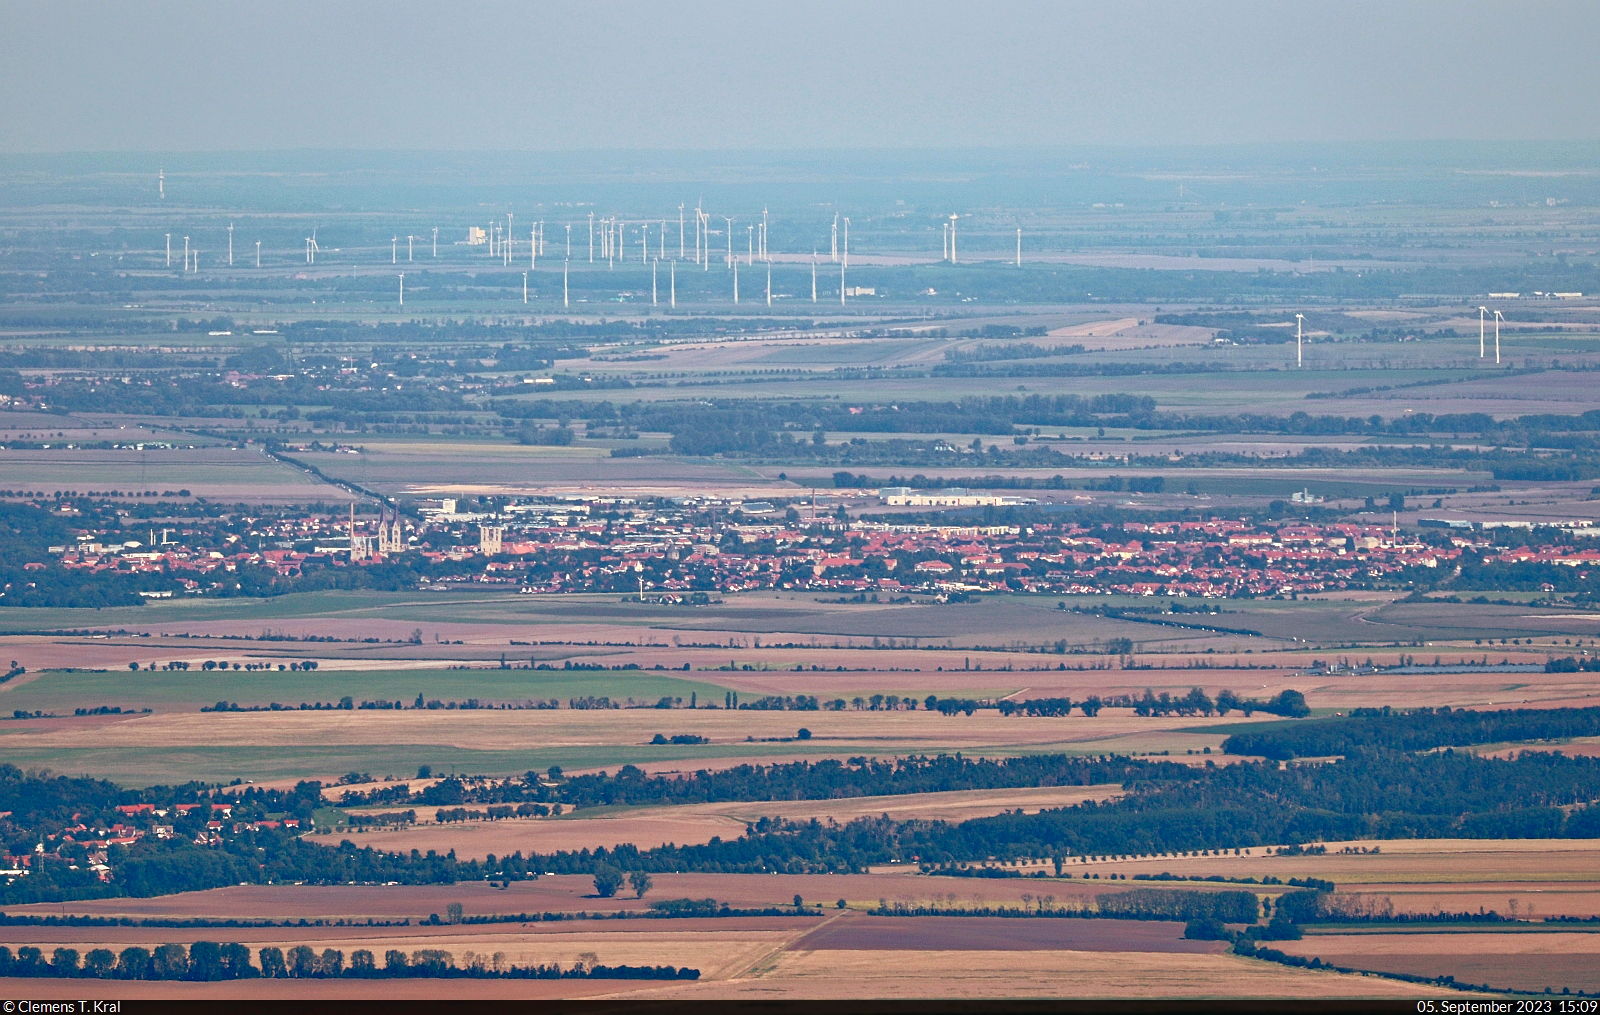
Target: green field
61, 691
131, 766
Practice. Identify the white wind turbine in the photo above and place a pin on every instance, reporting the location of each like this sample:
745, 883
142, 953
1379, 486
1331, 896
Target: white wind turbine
1299, 342
230, 244
1498, 317
394, 250
1481, 312
411, 248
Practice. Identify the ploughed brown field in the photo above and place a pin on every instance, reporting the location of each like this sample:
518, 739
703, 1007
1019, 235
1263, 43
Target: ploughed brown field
1000, 934
1523, 960
693, 824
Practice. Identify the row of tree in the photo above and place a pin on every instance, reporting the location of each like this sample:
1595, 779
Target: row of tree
208, 960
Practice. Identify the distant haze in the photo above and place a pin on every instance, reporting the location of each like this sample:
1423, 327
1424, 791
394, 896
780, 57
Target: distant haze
189, 76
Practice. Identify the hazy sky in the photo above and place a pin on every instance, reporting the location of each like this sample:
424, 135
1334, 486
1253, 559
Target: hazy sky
192, 76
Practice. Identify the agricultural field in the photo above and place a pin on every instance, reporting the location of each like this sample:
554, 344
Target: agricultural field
882, 644
690, 824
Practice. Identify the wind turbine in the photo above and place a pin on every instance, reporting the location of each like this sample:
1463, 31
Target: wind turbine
1019, 246
750, 245
161, 185
1481, 312
833, 252
169, 250
944, 242
1299, 343
402, 288
1497, 319
435, 241
230, 244
186, 253
591, 237
569, 241
524, 287
394, 250
410, 248
729, 231
953, 239
813, 276
661, 249
258, 253
533, 248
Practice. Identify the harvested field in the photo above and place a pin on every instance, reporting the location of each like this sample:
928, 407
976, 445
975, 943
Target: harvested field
328, 990
1579, 899
1522, 961
944, 933
691, 824
1041, 974
556, 893
1399, 861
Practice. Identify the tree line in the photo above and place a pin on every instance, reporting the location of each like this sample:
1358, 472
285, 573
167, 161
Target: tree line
1420, 729
211, 961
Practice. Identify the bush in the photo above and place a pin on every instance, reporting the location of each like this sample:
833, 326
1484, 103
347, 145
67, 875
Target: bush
1206, 930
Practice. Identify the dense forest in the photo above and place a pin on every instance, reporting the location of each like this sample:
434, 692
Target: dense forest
1416, 730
